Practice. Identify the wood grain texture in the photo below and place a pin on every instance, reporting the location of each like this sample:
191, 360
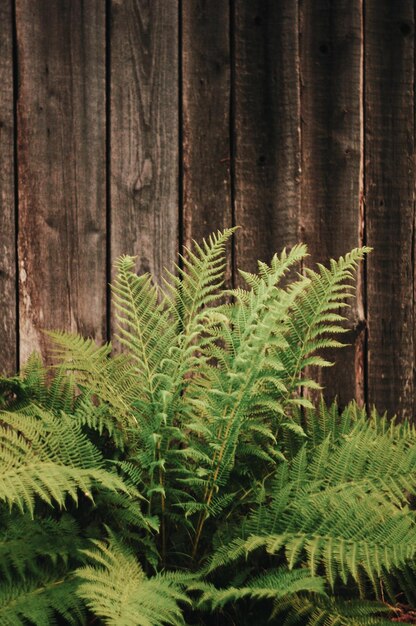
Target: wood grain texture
61, 157
331, 105
206, 118
267, 121
389, 150
8, 338
144, 164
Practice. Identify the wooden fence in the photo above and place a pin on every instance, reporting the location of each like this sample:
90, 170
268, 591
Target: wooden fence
134, 126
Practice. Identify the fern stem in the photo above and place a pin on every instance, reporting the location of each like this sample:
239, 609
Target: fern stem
209, 492
198, 533
163, 520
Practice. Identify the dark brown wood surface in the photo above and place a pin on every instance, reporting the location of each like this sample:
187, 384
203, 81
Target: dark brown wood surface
206, 105
332, 174
61, 160
144, 163
266, 128
390, 179
135, 126
8, 335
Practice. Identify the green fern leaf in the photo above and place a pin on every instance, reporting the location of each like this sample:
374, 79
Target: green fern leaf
116, 589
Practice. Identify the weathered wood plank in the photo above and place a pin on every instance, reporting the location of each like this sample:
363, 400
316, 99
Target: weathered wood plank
144, 132
267, 120
61, 164
8, 322
389, 150
332, 162
206, 118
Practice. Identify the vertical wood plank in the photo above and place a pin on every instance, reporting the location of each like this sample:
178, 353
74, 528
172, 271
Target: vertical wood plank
61, 156
144, 132
389, 147
206, 118
332, 162
267, 119
8, 322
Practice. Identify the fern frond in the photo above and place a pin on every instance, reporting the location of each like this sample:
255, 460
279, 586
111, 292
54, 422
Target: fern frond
144, 327
335, 512
40, 602
27, 545
114, 380
116, 589
303, 610
313, 312
200, 278
279, 267
274, 584
48, 458
52, 483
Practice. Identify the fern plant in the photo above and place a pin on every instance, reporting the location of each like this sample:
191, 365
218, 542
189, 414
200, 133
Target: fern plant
54, 482
188, 479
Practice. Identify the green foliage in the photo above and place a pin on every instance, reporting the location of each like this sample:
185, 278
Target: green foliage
117, 589
50, 468
188, 478
339, 507
274, 584
39, 602
310, 611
